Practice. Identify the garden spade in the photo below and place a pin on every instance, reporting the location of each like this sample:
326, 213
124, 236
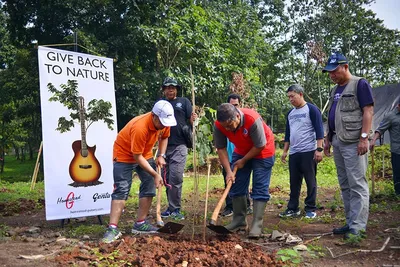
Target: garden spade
219, 229
169, 227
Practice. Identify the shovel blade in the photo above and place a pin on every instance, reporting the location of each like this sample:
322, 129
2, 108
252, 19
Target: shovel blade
171, 228
219, 229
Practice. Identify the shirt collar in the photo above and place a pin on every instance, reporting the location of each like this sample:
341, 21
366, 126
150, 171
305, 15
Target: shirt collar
241, 118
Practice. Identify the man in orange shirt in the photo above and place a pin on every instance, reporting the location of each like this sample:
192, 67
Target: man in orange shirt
133, 152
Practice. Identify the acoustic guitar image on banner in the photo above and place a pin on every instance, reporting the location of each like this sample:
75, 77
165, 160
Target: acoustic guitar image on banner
84, 168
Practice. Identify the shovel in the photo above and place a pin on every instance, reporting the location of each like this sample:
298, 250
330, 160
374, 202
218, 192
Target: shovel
170, 227
219, 229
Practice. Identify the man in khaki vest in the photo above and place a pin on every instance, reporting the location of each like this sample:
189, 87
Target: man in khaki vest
350, 114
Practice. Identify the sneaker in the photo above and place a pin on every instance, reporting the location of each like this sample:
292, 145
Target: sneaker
166, 213
310, 214
289, 213
177, 215
144, 228
111, 235
341, 230
227, 213
249, 211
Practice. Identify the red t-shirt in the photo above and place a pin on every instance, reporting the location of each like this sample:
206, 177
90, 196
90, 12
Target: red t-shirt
241, 138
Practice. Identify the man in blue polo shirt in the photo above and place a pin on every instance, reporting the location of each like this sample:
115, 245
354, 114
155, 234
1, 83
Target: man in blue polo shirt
350, 113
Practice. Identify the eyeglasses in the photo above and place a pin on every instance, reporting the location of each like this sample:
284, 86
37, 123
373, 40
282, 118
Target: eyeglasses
230, 124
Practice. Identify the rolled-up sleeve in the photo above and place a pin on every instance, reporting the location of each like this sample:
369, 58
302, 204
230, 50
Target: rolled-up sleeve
384, 125
257, 134
219, 138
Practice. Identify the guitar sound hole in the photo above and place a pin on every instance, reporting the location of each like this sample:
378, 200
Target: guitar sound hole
85, 166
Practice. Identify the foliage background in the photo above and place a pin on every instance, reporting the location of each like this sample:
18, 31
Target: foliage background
271, 43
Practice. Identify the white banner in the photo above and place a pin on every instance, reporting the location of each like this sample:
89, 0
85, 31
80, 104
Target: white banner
77, 140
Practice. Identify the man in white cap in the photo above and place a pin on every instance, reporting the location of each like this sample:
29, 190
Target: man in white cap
133, 152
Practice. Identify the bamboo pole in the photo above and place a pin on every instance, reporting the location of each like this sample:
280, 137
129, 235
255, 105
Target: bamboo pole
206, 204
196, 179
36, 169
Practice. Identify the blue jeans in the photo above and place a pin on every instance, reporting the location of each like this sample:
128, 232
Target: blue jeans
123, 180
228, 200
261, 169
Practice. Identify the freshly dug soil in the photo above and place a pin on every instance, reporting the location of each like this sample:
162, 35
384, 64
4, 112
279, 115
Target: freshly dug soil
169, 250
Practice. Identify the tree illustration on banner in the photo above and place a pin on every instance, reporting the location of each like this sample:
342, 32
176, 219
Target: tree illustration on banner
84, 169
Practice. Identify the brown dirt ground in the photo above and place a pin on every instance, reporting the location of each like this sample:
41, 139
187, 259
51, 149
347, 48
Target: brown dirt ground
194, 247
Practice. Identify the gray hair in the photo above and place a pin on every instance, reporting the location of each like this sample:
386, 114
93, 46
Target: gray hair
226, 112
295, 88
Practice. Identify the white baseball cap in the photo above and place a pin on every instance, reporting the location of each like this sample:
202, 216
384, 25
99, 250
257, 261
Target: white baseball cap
165, 112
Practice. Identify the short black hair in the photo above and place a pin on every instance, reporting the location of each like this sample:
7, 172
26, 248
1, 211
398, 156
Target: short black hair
295, 88
234, 96
226, 112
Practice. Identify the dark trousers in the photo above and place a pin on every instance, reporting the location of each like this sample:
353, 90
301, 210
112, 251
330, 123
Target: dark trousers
396, 172
228, 200
303, 165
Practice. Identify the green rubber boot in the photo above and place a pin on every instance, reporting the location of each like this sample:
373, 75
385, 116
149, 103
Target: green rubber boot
239, 214
258, 214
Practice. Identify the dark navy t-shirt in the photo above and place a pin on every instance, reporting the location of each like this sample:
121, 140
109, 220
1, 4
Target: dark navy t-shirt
364, 96
182, 112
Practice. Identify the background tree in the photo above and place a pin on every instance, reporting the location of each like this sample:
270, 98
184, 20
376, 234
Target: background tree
272, 44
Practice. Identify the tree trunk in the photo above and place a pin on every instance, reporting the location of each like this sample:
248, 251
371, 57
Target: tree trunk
30, 147
22, 154
2, 160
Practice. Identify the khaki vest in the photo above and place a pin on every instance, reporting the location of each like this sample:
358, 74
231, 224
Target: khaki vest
348, 114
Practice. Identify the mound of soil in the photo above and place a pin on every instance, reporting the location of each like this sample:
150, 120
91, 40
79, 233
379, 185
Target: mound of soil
171, 251
27, 233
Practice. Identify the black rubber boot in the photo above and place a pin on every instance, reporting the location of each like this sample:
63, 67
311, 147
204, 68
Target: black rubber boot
239, 214
258, 214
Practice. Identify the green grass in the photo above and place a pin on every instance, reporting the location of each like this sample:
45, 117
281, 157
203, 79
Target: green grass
94, 230
15, 183
3, 230
19, 171
13, 191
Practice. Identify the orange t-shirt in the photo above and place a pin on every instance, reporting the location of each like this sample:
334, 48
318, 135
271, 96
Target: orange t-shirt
138, 137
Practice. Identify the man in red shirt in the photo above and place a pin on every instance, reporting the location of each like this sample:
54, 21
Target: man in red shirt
254, 152
133, 152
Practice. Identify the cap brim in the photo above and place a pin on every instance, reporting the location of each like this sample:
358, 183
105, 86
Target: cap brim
168, 122
330, 67
169, 84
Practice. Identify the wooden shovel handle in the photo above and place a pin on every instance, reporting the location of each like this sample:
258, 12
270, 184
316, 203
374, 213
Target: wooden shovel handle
214, 216
158, 207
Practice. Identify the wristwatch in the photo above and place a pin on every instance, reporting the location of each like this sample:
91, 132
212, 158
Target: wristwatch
320, 149
364, 135
162, 155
